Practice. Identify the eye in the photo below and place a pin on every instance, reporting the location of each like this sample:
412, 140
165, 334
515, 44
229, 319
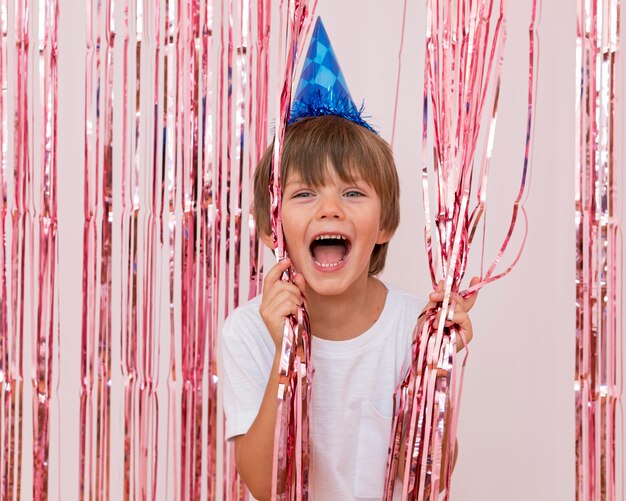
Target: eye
302, 194
353, 194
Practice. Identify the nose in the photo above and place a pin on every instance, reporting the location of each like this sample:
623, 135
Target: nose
330, 208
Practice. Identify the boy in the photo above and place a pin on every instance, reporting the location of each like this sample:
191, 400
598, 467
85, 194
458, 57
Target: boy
340, 208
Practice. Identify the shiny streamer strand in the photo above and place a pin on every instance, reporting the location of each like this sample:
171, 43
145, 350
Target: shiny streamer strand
95, 398
169, 233
140, 182
259, 96
195, 238
28, 256
290, 464
211, 267
462, 78
231, 164
251, 119
12, 262
29, 250
45, 323
239, 24
599, 266
223, 159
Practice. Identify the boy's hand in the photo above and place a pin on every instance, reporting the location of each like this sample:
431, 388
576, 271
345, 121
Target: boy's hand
280, 299
461, 308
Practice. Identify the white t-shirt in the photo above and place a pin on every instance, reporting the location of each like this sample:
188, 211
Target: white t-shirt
352, 396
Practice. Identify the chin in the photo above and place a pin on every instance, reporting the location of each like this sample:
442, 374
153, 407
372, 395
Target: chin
330, 285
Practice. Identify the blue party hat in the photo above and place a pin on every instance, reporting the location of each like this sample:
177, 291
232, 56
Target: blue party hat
322, 89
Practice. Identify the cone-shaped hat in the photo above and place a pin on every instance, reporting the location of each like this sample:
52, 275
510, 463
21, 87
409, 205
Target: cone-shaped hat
322, 89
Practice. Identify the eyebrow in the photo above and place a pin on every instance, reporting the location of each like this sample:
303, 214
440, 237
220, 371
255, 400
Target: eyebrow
296, 182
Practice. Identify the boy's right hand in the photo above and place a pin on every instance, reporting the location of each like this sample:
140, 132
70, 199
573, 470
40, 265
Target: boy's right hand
280, 299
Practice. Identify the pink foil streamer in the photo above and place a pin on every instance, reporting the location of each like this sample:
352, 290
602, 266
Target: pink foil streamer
46, 325
259, 94
291, 435
239, 35
95, 419
33, 306
224, 63
462, 53
12, 263
169, 167
192, 335
13, 339
251, 96
233, 136
212, 198
140, 189
599, 267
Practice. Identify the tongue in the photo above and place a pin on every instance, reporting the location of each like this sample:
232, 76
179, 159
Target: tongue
329, 254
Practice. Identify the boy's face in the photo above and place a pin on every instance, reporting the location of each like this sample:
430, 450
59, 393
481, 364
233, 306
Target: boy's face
331, 230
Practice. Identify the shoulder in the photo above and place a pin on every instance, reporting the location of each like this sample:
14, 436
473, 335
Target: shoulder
246, 314
244, 326
405, 308
405, 302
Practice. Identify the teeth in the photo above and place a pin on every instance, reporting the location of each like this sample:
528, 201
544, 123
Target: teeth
328, 265
330, 237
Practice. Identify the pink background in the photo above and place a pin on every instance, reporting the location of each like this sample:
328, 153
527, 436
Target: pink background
516, 434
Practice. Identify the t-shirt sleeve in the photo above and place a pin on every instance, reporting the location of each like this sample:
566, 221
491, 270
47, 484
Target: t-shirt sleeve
247, 353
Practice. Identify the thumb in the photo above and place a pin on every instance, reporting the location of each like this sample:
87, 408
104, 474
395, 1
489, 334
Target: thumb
435, 297
471, 299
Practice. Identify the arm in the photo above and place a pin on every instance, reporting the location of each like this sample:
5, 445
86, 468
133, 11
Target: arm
255, 449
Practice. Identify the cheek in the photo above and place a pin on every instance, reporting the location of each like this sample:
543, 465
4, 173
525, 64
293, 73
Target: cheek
369, 222
292, 227
289, 228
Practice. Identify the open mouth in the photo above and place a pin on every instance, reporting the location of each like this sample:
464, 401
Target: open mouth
329, 250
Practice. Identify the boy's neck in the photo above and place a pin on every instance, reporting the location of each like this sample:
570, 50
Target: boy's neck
348, 315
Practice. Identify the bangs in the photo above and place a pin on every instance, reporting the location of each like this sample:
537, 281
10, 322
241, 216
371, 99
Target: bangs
314, 151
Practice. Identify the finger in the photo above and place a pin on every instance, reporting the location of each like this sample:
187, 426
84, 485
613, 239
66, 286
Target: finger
440, 288
434, 296
288, 294
437, 297
289, 306
279, 288
275, 273
300, 282
286, 302
459, 318
471, 299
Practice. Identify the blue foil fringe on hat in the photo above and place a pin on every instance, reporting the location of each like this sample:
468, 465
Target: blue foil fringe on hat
322, 89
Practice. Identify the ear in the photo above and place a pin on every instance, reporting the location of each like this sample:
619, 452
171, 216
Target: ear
384, 236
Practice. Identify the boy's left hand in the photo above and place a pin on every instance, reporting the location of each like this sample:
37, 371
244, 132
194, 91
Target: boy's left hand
462, 306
